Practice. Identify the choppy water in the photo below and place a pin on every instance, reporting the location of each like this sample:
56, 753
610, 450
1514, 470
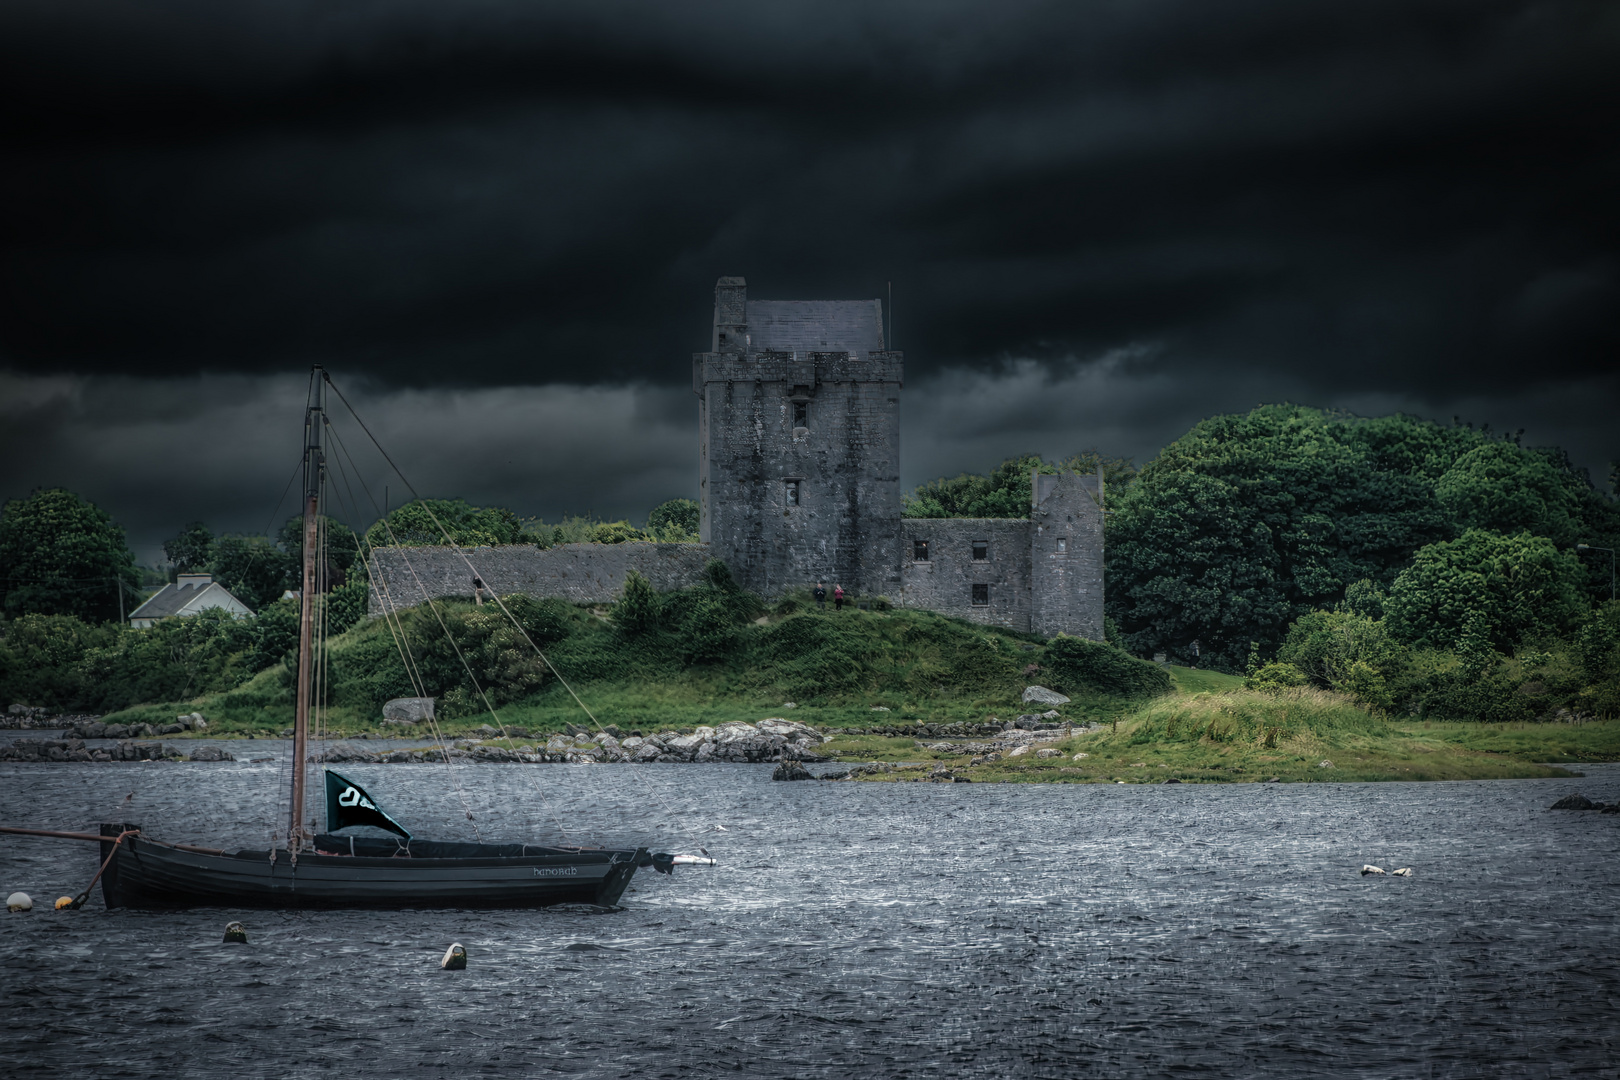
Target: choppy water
869, 930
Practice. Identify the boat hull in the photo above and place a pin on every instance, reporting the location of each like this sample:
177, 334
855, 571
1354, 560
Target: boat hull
153, 875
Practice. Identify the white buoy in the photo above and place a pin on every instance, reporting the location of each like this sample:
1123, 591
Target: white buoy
455, 958
1405, 871
1369, 869
19, 901
692, 860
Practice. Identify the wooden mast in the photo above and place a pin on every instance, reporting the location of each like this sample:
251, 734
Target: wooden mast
314, 467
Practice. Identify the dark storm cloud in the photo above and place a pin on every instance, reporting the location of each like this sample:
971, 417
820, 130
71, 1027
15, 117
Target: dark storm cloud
503, 220
515, 192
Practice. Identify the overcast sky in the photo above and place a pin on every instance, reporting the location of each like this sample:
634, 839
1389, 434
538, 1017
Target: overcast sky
499, 225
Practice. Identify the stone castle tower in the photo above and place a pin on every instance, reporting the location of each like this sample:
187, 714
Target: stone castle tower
799, 478
799, 443
799, 474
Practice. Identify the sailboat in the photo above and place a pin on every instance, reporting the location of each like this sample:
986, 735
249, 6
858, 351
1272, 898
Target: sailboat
326, 870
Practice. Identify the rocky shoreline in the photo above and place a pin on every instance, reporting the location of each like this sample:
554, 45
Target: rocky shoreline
772, 739
75, 749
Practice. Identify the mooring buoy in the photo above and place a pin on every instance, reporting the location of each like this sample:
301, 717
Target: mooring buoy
19, 901
455, 958
235, 933
64, 902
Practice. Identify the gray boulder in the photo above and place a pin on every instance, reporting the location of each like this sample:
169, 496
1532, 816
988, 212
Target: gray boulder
1040, 695
1573, 802
210, 753
791, 770
408, 710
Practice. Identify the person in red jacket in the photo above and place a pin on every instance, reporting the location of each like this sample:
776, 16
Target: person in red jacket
838, 597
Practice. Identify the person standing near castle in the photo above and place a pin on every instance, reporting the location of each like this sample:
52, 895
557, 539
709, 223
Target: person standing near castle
821, 595
838, 597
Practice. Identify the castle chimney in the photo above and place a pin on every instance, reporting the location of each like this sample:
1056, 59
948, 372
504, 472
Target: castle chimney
730, 316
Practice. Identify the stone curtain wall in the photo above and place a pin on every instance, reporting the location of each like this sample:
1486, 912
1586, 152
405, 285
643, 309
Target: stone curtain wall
844, 458
577, 573
1066, 586
945, 582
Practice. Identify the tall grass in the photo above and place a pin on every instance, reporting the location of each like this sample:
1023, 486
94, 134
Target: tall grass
1247, 717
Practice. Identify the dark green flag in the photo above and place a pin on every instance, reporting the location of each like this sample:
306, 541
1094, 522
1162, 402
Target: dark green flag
348, 804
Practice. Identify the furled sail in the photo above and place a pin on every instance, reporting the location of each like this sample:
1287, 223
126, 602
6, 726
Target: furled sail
348, 804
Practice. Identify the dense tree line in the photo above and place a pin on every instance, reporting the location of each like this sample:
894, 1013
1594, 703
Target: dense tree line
1248, 522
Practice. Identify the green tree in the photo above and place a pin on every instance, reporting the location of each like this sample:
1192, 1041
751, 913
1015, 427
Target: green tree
1364, 598
1519, 587
1004, 493
417, 524
1247, 522
252, 569
676, 521
61, 555
342, 547
1508, 489
188, 550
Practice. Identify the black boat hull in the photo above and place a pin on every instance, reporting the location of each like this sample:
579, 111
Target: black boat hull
153, 875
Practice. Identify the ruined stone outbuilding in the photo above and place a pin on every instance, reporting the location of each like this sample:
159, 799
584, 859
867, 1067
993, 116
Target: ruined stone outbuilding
799, 483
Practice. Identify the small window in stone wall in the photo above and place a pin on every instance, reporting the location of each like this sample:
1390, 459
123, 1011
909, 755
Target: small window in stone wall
919, 550
1063, 545
793, 493
981, 595
981, 551
801, 414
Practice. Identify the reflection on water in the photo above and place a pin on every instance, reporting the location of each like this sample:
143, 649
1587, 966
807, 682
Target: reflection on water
851, 929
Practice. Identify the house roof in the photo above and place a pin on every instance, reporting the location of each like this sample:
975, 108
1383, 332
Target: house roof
805, 326
187, 597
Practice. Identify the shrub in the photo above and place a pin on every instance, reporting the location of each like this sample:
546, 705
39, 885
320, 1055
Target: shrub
1328, 646
637, 608
1080, 665
546, 621
709, 628
1276, 677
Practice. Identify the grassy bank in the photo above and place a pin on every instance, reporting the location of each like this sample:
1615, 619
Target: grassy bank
1239, 736
843, 669
864, 669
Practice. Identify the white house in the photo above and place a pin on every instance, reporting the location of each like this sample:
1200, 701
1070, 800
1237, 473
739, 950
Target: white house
190, 594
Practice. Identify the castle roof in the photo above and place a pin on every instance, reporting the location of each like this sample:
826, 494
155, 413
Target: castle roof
805, 326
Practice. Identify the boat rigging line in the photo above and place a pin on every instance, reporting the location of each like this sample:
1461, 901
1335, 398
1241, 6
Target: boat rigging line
416, 682
692, 833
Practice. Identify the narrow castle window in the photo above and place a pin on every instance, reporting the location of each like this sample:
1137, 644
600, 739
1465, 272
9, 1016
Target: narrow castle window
1063, 545
801, 414
981, 596
981, 551
793, 493
919, 550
